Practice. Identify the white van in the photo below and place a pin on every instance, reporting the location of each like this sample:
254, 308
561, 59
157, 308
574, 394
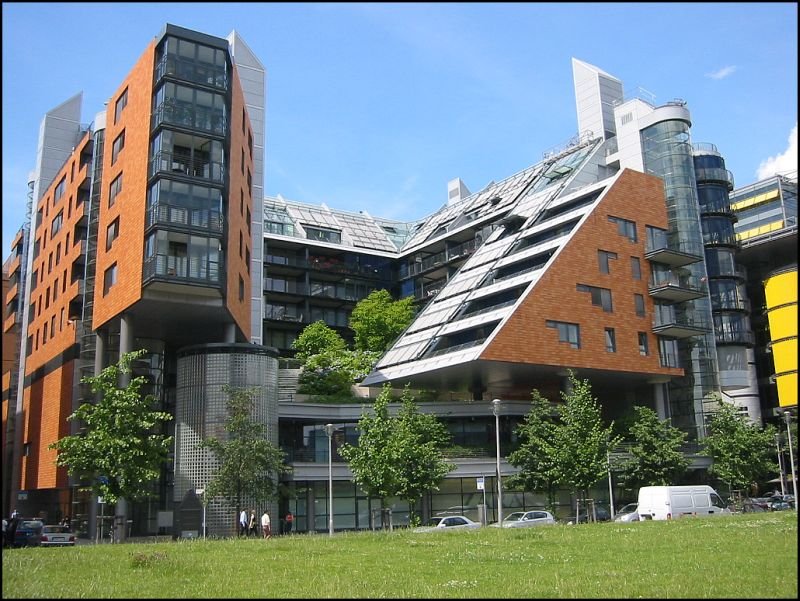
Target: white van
672, 502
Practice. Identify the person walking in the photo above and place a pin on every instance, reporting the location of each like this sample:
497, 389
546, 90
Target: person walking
243, 523
289, 522
251, 524
266, 527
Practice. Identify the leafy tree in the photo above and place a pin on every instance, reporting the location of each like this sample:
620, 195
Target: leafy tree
247, 463
118, 450
741, 452
418, 441
398, 457
536, 456
371, 460
317, 338
580, 441
656, 452
378, 320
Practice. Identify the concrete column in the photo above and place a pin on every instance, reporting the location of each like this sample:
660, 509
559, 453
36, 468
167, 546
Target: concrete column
661, 402
125, 346
230, 333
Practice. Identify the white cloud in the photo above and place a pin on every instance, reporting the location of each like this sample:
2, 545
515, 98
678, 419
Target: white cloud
722, 73
782, 163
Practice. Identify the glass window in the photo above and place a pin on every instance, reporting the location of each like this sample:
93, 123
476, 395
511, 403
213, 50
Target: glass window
112, 231
58, 220
603, 258
567, 332
625, 227
109, 278
636, 268
644, 348
60, 189
611, 340
638, 301
120, 105
114, 189
119, 144
601, 297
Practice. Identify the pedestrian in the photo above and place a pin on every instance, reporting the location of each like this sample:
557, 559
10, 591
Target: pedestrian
11, 530
252, 524
289, 521
243, 523
266, 527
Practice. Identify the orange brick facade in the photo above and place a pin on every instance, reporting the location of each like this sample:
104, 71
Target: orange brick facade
525, 338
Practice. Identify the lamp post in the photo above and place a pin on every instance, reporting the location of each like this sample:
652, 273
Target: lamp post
202, 491
329, 428
610, 487
788, 418
496, 410
780, 462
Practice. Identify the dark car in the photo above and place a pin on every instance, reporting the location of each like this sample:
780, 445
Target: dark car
29, 533
601, 513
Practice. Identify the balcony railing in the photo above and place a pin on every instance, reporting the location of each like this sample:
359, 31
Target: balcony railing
189, 269
714, 174
660, 249
191, 116
676, 289
668, 323
735, 338
195, 167
209, 220
191, 70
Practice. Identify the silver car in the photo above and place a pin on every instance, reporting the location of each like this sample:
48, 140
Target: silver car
629, 513
525, 519
450, 522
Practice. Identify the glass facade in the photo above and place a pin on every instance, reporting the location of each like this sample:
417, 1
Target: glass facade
667, 153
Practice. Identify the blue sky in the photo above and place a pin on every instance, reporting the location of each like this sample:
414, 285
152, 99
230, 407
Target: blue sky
376, 107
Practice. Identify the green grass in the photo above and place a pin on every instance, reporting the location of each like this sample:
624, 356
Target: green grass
740, 556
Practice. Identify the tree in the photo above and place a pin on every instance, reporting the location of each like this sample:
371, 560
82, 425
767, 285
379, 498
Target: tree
317, 338
418, 440
118, 450
536, 456
378, 320
248, 465
581, 442
398, 457
741, 452
656, 452
370, 461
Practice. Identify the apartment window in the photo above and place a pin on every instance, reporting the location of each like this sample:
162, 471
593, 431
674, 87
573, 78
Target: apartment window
241, 244
58, 253
119, 144
636, 268
58, 221
52, 325
638, 301
241, 202
324, 235
114, 189
49, 263
249, 184
241, 289
47, 298
625, 227
601, 297
109, 278
60, 189
567, 332
244, 120
55, 290
242, 161
249, 222
120, 105
604, 258
247, 258
112, 232
644, 348
44, 333
250, 142
611, 340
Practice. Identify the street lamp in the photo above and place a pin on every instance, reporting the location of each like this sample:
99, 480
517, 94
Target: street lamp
496, 410
329, 428
788, 418
202, 491
610, 487
780, 463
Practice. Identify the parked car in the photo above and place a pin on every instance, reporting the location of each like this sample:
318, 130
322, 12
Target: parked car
29, 533
601, 513
57, 536
629, 513
781, 502
449, 522
525, 519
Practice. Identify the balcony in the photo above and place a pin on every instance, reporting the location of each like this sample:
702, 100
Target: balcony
207, 220
190, 116
192, 71
181, 164
675, 254
715, 174
735, 338
676, 289
668, 323
190, 270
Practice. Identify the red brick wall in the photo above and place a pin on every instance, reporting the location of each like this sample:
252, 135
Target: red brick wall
525, 338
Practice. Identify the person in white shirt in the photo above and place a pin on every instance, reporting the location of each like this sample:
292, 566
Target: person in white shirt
266, 528
243, 523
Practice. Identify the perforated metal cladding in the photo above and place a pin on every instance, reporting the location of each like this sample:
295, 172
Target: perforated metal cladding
201, 410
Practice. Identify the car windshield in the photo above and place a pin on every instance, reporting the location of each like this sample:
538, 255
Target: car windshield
514, 517
434, 521
56, 529
30, 525
630, 508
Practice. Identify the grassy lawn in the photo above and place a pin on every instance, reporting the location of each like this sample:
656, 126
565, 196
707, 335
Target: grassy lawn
740, 556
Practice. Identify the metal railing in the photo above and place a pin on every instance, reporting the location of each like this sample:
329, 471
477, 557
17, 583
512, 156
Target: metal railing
209, 220
195, 269
171, 162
